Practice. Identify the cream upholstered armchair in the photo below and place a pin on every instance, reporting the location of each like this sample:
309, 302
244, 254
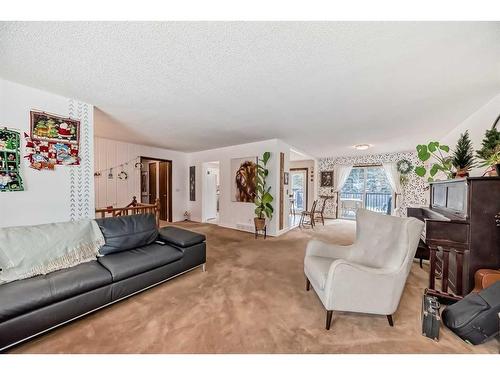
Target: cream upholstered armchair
368, 276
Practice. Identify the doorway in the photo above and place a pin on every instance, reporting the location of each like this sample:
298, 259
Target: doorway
156, 183
210, 192
298, 185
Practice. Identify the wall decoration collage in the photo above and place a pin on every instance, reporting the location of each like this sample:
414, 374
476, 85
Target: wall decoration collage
10, 163
53, 140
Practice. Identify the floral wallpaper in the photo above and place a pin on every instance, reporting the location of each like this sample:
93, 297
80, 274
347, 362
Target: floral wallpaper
415, 189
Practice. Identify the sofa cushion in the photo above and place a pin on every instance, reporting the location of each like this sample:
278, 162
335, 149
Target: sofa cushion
181, 237
19, 297
127, 232
22, 296
317, 269
133, 262
77, 280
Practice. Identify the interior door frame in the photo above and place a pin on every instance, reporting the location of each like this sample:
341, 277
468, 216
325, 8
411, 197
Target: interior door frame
152, 187
169, 182
306, 182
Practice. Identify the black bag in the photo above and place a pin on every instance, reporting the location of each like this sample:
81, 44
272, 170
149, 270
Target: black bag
430, 317
475, 318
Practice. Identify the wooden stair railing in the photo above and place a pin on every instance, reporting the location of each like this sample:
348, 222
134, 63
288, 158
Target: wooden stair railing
133, 208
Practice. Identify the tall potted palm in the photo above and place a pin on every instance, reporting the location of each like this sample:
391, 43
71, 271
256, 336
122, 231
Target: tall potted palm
263, 197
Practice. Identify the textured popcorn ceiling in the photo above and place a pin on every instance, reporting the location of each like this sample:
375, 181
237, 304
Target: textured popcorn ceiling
321, 87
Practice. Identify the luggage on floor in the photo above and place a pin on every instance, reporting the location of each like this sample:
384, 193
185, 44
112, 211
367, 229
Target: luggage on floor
475, 319
430, 317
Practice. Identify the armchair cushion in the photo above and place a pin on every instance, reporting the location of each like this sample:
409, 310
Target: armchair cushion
382, 240
323, 249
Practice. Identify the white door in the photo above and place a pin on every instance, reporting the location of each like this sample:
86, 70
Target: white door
210, 197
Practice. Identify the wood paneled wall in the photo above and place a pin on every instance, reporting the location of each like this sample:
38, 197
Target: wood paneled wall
116, 192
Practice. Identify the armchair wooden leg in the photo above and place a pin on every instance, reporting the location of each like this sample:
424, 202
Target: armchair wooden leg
308, 284
329, 314
389, 319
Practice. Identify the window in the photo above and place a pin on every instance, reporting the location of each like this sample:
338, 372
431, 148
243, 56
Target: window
366, 187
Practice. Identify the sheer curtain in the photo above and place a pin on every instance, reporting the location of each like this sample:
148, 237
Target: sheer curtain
341, 174
392, 173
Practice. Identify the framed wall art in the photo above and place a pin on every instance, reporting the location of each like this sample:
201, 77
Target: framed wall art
327, 179
286, 177
244, 174
192, 183
54, 140
10, 161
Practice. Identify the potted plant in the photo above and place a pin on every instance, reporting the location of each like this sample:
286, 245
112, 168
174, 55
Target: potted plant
263, 197
490, 149
493, 160
463, 155
443, 162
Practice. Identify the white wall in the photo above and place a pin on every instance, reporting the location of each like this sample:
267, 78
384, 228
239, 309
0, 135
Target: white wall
116, 192
63, 194
238, 215
477, 123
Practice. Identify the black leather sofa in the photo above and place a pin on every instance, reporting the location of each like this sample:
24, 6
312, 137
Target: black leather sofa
136, 256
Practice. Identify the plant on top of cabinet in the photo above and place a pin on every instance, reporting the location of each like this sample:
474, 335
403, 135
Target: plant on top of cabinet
463, 155
442, 163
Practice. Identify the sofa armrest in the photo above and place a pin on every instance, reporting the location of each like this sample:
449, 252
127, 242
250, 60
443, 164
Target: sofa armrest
358, 288
180, 237
323, 249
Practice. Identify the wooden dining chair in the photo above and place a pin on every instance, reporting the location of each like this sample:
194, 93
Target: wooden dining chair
320, 213
308, 214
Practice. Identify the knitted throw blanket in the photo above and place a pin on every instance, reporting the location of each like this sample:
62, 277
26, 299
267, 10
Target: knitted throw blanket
40, 249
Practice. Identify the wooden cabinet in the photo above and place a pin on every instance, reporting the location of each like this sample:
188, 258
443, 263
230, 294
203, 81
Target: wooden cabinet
461, 231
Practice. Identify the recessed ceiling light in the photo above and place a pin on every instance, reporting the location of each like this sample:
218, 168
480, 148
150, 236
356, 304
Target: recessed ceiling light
363, 146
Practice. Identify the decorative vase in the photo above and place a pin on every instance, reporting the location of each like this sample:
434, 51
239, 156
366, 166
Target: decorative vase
259, 223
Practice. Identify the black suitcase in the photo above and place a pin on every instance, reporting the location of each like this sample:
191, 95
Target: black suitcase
430, 317
475, 318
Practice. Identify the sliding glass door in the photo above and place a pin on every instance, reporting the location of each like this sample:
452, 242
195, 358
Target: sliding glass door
366, 187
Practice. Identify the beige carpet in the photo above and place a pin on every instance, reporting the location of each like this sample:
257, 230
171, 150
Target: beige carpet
252, 299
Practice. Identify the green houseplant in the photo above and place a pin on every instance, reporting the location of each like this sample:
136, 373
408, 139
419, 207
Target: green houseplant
490, 150
443, 162
263, 197
463, 155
